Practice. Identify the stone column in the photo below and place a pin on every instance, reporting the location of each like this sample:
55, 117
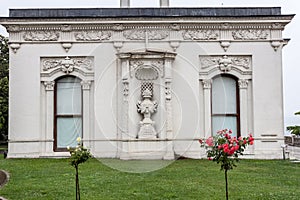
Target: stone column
86, 112
48, 143
207, 106
243, 84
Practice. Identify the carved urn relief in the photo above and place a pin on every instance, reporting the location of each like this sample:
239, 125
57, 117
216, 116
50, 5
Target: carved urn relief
146, 105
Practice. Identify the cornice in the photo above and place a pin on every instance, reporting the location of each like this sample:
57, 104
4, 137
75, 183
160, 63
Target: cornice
170, 29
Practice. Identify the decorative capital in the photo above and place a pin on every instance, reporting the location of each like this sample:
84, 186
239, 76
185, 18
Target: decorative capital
206, 83
86, 85
49, 85
243, 84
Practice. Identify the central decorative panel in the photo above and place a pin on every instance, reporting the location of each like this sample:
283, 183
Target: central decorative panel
146, 108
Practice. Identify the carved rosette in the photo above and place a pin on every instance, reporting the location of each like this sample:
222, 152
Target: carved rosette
67, 64
93, 35
41, 36
200, 35
143, 34
250, 34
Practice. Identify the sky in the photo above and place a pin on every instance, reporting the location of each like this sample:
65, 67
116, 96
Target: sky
291, 65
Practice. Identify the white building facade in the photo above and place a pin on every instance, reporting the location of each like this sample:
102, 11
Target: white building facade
144, 83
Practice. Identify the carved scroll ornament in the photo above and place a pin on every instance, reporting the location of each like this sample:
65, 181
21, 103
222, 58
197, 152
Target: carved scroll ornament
250, 35
200, 35
67, 64
141, 34
92, 35
41, 36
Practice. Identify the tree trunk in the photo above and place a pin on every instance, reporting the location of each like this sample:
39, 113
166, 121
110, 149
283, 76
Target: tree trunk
226, 183
77, 184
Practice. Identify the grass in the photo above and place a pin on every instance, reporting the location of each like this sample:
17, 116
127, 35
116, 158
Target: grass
183, 179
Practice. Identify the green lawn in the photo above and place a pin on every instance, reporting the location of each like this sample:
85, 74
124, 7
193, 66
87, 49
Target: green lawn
183, 179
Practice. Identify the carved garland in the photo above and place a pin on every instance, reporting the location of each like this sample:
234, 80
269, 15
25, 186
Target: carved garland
225, 63
250, 34
41, 36
142, 34
92, 35
200, 35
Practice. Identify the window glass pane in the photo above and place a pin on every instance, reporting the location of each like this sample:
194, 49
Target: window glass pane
224, 122
68, 129
68, 96
224, 95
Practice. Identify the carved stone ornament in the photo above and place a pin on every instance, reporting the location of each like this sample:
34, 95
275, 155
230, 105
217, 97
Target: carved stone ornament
146, 73
86, 85
141, 34
243, 83
143, 71
67, 64
250, 34
41, 36
147, 107
200, 35
207, 83
15, 47
92, 35
13, 28
49, 85
225, 63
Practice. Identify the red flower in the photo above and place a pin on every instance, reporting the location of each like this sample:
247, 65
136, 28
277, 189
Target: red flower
230, 131
200, 141
209, 158
210, 141
236, 147
251, 142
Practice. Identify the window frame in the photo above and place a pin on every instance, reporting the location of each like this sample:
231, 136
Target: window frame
237, 114
56, 116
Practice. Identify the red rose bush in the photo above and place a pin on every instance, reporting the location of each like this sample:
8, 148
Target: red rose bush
225, 149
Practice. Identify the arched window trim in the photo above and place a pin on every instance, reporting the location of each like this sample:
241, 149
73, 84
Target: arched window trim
55, 148
237, 114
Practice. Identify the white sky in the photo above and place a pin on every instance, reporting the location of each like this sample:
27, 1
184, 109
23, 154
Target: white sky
291, 66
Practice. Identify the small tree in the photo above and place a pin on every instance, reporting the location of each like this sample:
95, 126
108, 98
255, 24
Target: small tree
4, 60
294, 129
79, 155
225, 149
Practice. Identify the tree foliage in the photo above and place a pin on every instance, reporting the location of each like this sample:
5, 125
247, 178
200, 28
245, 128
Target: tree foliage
294, 129
4, 58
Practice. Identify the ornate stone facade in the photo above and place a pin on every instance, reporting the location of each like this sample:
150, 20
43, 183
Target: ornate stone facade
174, 54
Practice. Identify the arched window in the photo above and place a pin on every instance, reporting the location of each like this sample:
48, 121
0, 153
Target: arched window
67, 112
225, 105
